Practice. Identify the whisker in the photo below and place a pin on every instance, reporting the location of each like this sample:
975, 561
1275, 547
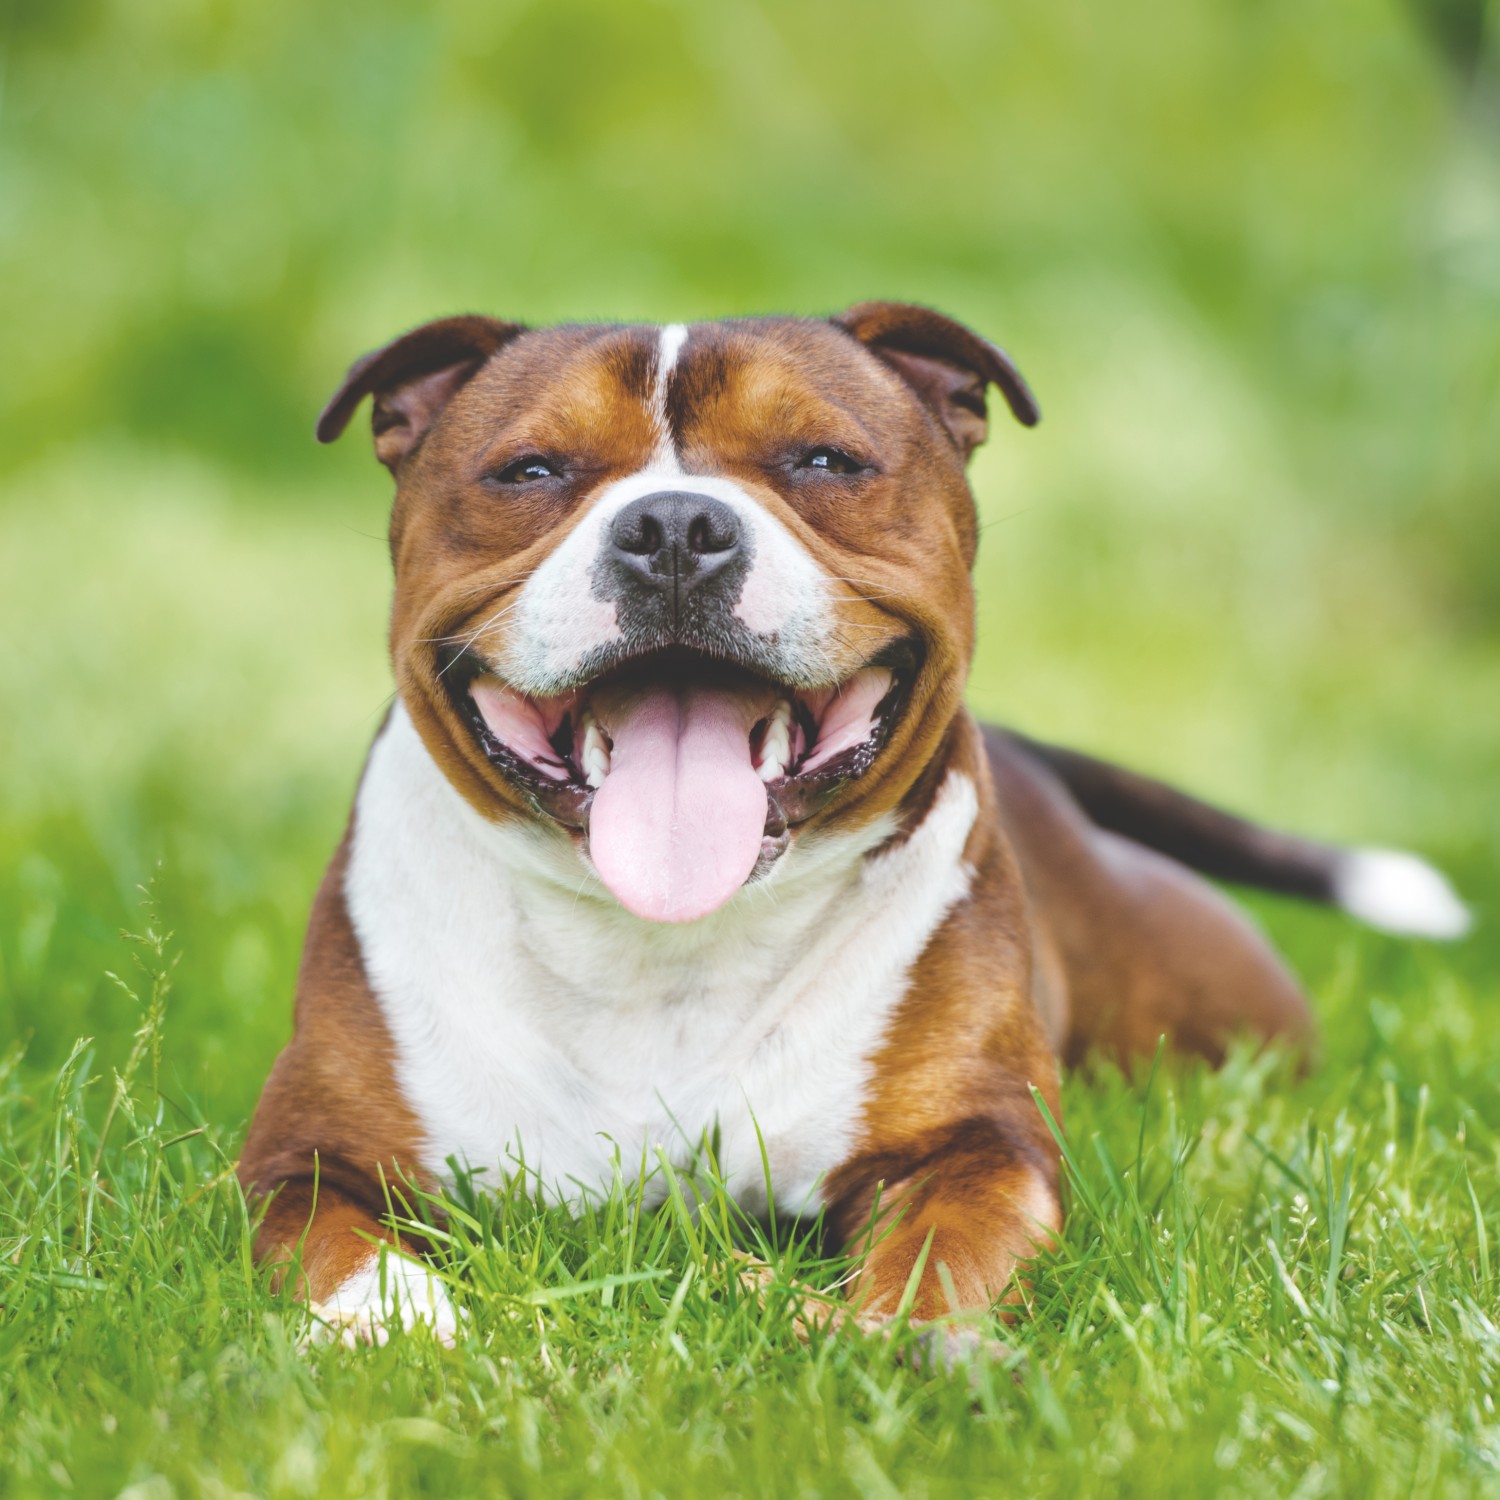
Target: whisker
588, 875
862, 598
493, 620
489, 625
828, 664
1009, 516
765, 890
382, 706
859, 625
473, 635
491, 585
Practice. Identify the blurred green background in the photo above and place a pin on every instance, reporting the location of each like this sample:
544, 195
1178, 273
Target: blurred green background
1248, 254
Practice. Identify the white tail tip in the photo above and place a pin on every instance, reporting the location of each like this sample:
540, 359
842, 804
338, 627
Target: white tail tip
1399, 893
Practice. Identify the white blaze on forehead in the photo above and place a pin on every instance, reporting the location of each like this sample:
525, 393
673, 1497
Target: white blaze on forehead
668, 346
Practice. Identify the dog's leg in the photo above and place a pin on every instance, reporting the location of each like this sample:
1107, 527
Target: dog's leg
1145, 948
969, 1212
357, 1278
1174, 958
952, 1184
331, 1134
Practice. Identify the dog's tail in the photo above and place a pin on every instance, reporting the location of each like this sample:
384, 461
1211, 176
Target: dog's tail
1384, 887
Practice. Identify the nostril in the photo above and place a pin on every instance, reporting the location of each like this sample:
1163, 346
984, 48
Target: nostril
643, 539
652, 540
675, 535
705, 536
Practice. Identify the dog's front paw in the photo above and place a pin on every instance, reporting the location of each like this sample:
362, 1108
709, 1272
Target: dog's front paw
944, 1346
955, 1346
811, 1309
390, 1291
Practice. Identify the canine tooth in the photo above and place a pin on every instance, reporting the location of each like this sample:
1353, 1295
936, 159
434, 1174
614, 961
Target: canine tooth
594, 757
776, 746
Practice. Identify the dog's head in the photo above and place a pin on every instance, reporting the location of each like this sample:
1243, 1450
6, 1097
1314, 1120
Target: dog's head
683, 594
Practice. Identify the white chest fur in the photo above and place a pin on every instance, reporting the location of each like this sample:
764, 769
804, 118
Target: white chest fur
534, 1019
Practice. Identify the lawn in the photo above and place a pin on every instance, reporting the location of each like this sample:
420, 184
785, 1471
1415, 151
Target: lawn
1247, 258
1266, 1282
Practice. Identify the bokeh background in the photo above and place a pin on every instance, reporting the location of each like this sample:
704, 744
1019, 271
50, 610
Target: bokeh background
1248, 254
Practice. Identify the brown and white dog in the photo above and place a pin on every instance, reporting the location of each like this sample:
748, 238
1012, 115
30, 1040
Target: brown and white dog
680, 827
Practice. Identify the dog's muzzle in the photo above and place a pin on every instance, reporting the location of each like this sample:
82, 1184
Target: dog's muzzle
673, 564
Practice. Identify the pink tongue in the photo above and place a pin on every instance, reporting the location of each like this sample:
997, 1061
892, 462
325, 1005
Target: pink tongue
676, 827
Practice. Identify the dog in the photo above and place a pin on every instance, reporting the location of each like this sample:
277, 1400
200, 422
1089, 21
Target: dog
679, 825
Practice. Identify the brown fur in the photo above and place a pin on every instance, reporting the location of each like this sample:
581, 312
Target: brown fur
332, 1129
1072, 937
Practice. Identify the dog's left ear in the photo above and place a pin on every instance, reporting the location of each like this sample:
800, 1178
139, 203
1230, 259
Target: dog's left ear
412, 379
945, 364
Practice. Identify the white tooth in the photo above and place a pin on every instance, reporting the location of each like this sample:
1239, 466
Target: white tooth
594, 758
776, 746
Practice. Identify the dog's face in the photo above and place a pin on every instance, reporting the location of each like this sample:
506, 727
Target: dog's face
683, 595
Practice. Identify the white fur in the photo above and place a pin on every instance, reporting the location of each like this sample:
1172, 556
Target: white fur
669, 345
1399, 893
560, 625
389, 1290
535, 1020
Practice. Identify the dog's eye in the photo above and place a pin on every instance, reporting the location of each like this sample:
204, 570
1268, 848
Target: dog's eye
526, 471
830, 461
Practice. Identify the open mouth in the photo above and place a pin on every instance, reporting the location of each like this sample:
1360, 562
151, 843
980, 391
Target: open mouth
684, 772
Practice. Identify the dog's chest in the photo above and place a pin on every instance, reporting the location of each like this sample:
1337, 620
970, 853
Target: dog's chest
535, 1022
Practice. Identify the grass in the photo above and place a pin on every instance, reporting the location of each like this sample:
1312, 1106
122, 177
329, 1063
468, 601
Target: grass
1265, 1284
1248, 257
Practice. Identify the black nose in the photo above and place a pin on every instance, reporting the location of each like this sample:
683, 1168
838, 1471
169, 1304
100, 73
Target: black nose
674, 542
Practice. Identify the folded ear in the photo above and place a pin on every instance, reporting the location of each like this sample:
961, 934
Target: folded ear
412, 380
945, 364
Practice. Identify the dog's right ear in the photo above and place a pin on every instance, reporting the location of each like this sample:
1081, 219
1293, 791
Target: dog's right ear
412, 380
947, 365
